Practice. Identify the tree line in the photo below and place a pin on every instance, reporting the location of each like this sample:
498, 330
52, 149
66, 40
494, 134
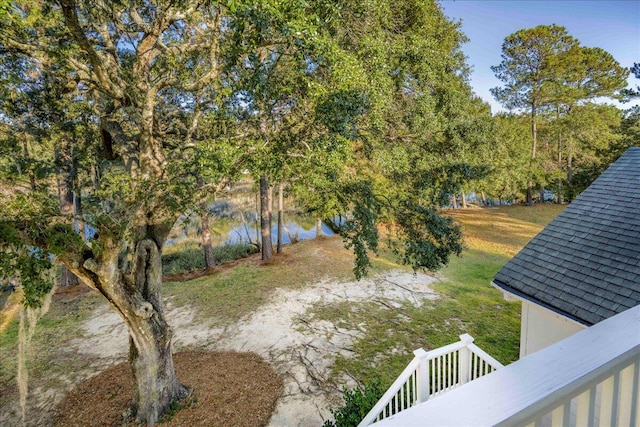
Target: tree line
557, 135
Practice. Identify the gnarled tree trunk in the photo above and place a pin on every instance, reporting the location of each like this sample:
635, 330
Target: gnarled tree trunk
137, 298
150, 352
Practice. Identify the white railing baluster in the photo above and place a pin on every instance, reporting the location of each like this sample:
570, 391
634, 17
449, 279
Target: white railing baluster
449, 377
439, 373
582, 410
626, 391
606, 402
557, 417
615, 400
593, 395
635, 396
431, 374
454, 370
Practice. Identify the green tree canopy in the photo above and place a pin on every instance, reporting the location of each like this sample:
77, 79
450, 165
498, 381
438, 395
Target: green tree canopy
544, 67
369, 98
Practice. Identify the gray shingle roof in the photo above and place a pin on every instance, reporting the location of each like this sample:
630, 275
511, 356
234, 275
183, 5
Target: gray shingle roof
586, 263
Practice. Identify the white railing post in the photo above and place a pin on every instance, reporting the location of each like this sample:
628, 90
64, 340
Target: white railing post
422, 376
431, 374
465, 358
383, 409
572, 382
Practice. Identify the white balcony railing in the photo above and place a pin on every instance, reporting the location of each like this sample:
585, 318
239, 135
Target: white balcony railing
613, 401
432, 374
591, 378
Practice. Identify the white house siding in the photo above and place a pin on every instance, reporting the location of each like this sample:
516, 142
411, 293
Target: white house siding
540, 327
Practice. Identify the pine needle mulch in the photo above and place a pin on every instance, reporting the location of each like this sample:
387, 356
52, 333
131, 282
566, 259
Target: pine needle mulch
229, 389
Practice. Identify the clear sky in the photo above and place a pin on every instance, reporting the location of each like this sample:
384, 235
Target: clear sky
613, 25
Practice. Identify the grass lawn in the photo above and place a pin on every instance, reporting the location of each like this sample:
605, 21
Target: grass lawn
467, 302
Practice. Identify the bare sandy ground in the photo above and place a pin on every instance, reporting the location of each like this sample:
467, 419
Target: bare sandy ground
301, 350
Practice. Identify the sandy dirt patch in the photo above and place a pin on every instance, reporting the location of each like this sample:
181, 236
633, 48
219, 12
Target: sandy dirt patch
302, 351
303, 359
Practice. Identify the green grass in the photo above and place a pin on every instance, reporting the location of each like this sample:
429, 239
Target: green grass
467, 302
539, 214
49, 364
227, 296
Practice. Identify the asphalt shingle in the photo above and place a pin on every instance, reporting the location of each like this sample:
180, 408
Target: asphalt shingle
586, 263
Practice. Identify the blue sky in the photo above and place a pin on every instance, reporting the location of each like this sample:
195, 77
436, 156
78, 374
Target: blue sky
613, 25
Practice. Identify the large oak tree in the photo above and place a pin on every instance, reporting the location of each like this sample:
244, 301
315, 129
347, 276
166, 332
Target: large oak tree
140, 65
377, 140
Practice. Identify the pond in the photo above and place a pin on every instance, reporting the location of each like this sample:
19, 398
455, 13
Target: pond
245, 234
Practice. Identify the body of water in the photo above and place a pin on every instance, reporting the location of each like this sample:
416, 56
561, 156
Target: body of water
246, 234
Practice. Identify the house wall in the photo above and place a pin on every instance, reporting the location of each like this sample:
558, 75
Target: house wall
540, 327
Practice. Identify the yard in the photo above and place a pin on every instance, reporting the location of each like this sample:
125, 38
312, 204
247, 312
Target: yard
301, 312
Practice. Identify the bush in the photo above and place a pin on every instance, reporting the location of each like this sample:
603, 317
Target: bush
229, 252
357, 404
186, 260
192, 258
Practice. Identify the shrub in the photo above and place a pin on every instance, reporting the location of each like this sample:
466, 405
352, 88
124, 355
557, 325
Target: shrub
229, 252
192, 258
183, 261
357, 404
